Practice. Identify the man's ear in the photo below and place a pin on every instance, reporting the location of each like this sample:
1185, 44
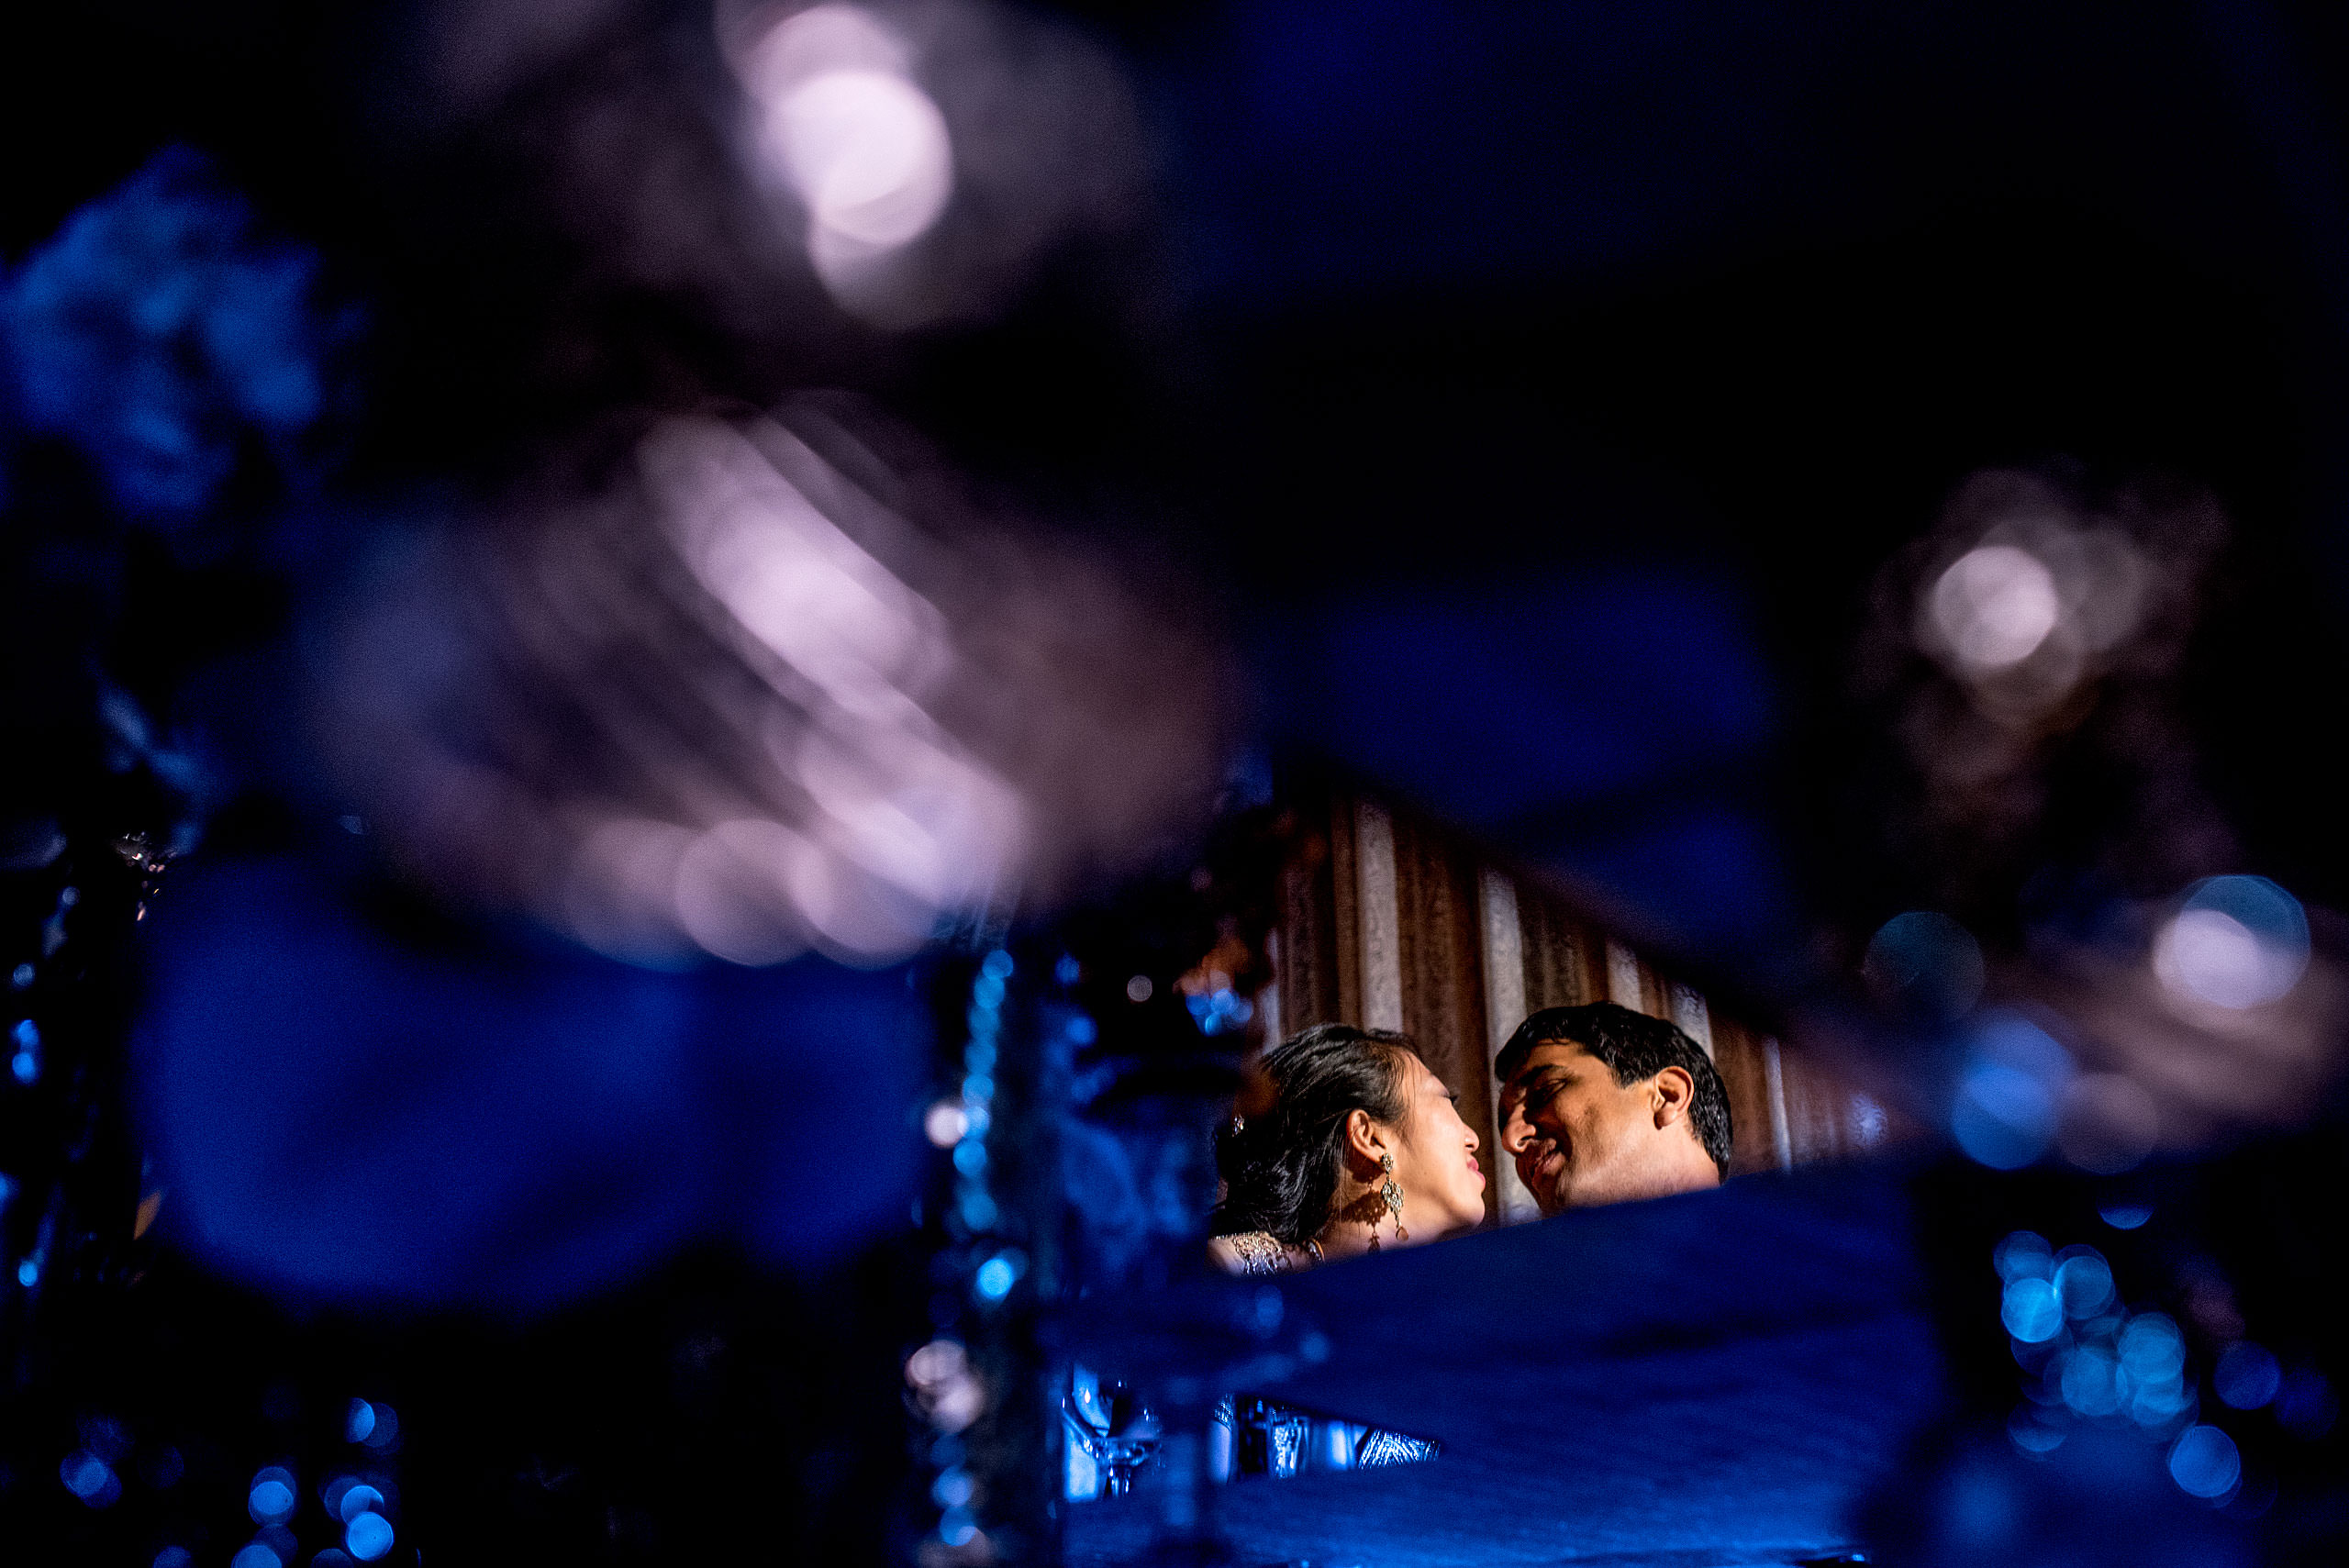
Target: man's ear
1676, 1091
1365, 1139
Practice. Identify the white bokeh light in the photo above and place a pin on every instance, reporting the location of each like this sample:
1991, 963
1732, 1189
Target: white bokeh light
2215, 957
845, 125
1995, 604
868, 152
2238, 941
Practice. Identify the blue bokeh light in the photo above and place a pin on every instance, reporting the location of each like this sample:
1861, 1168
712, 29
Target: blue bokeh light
28, 1272
2004, 1111
24, 1065
386, 1429
270, 1499
360, 1422
2205, 1462
175, 1557
356, 1500
2247, 1376
2025, 1254
999, 1273
2092, 1383
2032, 1432
1067, 971
2031, 1311
367, 1537
257, 1554
90, 1478
27, 1034
2151, 1348
996, 966
2125, 1216
2083, 1282
971, 1157
1082, 1030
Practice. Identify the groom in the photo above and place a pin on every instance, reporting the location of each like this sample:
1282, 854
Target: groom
1601, 1104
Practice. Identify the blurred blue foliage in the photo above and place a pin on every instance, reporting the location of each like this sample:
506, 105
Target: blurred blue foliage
161, 328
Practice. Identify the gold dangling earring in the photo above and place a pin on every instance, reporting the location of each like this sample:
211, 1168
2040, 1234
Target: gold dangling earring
1393, 1194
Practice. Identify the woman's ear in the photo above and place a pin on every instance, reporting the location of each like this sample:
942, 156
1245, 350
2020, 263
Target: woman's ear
1365, 1139
1676, 1091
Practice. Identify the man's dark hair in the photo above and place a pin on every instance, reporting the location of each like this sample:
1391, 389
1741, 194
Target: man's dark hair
1280, 1166
1634, 1047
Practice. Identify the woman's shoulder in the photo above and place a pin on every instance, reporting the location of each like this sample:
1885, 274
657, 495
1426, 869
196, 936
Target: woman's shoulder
1251, 1253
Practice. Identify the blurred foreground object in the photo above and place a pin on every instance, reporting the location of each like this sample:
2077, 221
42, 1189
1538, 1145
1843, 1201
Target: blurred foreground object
742, 702
172, 338
1717, 1377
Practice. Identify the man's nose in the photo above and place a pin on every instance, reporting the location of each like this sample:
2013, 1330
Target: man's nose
1516, 1131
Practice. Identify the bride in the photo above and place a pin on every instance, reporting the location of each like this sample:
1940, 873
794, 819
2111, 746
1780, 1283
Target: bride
1348, 1143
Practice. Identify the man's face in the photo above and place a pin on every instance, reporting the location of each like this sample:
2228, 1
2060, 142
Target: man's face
1578, 1137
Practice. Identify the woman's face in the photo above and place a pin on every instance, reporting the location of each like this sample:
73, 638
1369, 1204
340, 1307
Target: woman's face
1443, 1188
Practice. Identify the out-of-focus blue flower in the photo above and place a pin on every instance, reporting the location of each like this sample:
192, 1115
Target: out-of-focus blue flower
160, 329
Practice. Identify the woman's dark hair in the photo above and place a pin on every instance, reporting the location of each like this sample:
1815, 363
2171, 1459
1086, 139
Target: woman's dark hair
1280, 1166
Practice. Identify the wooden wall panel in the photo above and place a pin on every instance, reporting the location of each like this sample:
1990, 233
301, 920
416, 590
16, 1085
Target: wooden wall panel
1441, 938
1564, 957
1306, 962
1345, 903
1738, 1056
